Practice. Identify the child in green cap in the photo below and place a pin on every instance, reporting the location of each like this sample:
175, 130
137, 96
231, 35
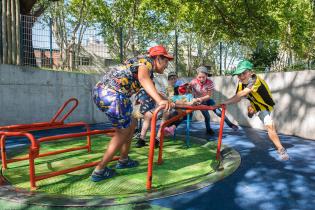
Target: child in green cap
256, 90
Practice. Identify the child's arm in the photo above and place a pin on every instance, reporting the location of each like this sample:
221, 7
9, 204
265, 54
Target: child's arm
206, 96
237, 97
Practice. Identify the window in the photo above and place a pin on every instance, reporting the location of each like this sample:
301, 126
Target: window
85, 61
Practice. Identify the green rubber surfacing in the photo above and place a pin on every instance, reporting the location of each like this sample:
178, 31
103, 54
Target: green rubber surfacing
182, 168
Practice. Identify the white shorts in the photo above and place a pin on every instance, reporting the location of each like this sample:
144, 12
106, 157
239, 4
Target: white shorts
265, 117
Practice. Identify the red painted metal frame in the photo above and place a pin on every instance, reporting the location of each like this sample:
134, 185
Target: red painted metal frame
188, 109
34, 149
52, 124
34, 152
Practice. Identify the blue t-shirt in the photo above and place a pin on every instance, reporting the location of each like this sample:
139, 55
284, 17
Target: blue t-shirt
186, 98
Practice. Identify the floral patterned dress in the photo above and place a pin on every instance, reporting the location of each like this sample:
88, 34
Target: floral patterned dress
112, 94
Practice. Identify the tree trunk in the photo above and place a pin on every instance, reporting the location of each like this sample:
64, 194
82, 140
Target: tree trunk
13, 29
1, 58
4, 32
26, 6
9, 34
10, 31
18, 31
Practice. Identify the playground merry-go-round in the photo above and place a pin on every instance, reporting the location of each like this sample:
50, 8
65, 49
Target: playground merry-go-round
53, 167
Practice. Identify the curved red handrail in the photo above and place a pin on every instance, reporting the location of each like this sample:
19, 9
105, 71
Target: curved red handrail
54, 123
153, 134
61, 109
33, 152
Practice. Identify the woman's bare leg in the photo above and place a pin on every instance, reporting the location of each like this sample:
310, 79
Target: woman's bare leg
120, 141
126, 146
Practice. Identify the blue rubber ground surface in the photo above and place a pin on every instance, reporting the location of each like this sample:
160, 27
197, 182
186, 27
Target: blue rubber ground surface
262, 182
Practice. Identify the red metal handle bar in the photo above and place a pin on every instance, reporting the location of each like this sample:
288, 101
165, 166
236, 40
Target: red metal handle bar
69, 170
199, 107
40, 126
72, 135
58, 125
163, 125
58, 113
223, 106
153, 134
204, 107
48, 153
44, 125
34, 145
33, 152
24, 127
151, 147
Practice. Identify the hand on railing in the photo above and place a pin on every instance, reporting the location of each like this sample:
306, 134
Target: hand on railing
168, 105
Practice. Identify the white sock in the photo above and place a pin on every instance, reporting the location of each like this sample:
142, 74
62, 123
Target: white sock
98, 171
124, 160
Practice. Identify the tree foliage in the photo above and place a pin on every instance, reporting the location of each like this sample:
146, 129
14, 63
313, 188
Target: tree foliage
69, 20
238, 26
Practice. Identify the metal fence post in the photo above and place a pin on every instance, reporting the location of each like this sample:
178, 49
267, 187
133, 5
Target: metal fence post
220, 58
50, 43
1, 34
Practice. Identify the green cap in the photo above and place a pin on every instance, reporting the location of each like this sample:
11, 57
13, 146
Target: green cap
243, 66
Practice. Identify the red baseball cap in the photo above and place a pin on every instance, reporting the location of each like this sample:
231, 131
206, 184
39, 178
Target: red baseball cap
160, 50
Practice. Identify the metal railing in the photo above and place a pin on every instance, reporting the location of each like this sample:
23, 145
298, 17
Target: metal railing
188, 109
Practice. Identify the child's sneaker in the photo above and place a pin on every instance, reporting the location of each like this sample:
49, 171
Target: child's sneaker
127, 164
106, 173
234, 127
210, 132
140, 143
157, 142
136, 135
166, 132
169, 131
283, 154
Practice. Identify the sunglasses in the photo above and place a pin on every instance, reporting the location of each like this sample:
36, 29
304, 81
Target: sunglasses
172, 78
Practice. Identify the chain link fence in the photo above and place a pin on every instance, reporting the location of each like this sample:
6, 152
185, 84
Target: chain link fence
47, 47
44, 45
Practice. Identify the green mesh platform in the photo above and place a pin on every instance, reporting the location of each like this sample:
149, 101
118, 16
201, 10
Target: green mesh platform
184, 169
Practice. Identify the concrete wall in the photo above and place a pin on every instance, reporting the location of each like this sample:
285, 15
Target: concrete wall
293, 93
30, 95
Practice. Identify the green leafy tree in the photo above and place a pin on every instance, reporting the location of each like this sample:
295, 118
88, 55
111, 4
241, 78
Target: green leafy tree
264, 55
70, 19
139, 23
